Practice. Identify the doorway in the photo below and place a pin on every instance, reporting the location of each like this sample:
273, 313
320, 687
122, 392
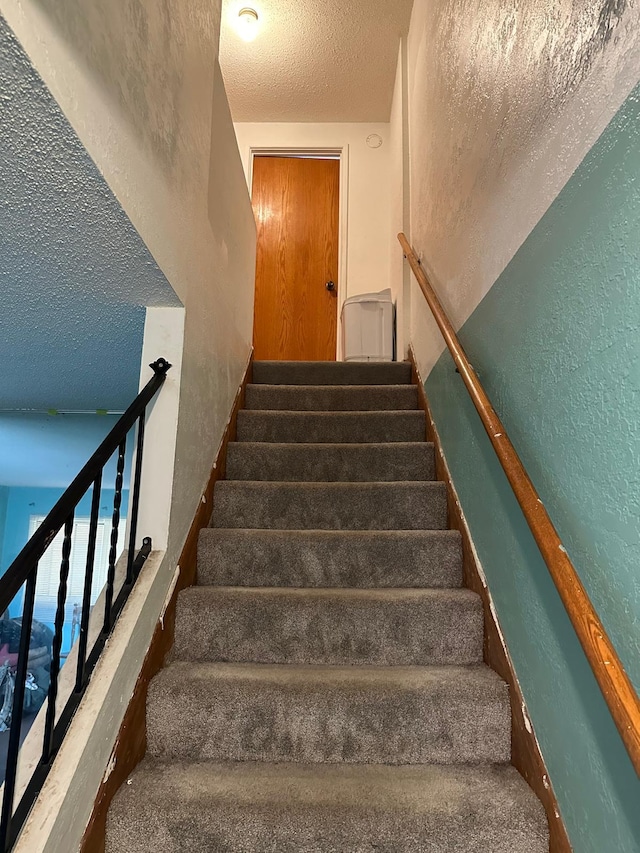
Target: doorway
296, 206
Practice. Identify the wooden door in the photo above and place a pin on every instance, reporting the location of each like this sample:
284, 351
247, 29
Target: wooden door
295, 202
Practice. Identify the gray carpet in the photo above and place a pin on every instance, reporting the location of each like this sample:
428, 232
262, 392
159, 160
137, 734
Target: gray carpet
367, 714
330, 427
333, 558
201, 807
330, 506
337, 398
329, 626
331, 373
346, 463
326, 691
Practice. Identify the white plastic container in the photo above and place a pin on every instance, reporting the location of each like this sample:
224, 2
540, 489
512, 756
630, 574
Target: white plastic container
368, 326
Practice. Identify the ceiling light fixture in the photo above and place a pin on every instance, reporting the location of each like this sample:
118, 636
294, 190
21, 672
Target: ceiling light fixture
247, 23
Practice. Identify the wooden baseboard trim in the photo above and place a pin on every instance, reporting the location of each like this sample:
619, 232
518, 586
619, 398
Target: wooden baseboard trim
525, 752
131, 743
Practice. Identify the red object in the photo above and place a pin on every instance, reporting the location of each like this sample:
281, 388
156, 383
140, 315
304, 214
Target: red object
5, 656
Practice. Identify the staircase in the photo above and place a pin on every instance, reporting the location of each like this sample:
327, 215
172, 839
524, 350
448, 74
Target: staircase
326, 690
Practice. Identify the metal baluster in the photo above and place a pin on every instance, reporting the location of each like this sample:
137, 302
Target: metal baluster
21, 575
111, 572
88, 581
54, 669
133, 509
16, 711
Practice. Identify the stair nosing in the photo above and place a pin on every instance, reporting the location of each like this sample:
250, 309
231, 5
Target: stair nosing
335, 484
337, 591
371, 674
333, 412
314, 386
325, 444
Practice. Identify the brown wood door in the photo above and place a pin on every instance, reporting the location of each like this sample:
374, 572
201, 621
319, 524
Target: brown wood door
295, 202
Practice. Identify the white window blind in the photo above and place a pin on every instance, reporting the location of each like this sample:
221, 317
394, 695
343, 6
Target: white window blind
48, 578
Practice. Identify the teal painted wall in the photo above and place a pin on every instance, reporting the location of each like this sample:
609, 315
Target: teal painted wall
21, 504
4, 499
556, 343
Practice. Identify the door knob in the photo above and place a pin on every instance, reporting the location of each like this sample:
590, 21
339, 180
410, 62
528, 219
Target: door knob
330, 286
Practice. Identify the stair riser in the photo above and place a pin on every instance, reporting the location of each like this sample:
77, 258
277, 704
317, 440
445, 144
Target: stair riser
330, 427
329, 559
367, 463
319, 506
260, 721
243, 626
328, 398
330, 373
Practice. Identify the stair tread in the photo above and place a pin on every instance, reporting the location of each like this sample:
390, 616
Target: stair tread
181, 806
387, 715
330, 558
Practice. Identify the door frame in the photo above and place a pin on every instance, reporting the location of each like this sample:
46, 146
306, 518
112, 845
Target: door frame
340, 153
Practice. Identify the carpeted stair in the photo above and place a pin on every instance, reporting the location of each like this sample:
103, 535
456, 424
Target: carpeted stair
326, 691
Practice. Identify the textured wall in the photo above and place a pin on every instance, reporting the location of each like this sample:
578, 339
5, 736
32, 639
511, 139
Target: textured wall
556, 342
74, 273
506, 99
140, 84
219, 319
150, 75
399, 273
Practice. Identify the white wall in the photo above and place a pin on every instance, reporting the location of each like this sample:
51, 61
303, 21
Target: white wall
152, 112
366, 229
400, 200
142, 88
163, 338
504, 102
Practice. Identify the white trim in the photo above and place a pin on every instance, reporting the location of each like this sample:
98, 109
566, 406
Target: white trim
341, 153
163, 337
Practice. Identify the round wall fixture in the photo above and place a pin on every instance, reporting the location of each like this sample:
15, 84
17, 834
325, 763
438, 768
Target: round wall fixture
374, 140
247, 23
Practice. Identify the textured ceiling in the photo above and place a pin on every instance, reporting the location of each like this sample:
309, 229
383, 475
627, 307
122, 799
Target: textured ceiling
314, 61
75, 276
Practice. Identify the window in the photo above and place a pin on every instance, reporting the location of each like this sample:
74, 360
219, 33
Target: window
48, 577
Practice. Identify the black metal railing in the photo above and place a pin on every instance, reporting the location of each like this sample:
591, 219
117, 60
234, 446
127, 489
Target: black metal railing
22, 573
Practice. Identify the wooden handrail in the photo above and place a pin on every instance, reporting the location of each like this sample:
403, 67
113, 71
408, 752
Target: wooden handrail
610, 674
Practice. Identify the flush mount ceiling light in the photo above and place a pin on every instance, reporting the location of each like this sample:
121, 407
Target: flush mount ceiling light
247, 23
